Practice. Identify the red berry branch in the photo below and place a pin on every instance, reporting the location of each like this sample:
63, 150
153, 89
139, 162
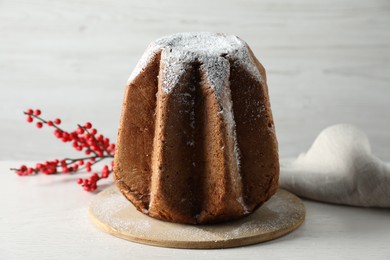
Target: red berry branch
84, 139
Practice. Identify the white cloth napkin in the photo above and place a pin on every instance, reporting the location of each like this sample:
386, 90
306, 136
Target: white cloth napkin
339, 168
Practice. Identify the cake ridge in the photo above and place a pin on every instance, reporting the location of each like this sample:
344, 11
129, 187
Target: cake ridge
223, 94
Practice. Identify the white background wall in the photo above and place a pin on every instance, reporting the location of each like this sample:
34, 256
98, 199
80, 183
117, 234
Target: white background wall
327, 61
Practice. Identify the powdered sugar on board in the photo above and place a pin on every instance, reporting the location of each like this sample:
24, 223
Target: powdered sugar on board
111, 211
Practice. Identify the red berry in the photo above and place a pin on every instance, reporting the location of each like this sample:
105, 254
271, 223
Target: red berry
88, 125
87, 187
30, 119
93, 131
58, 133
51, 170
93, 187
37, 112
81, 162
74, 134
29, 111
39, 124
80, 131
79, 181
57, 121
65, 137
94, 177
49, 123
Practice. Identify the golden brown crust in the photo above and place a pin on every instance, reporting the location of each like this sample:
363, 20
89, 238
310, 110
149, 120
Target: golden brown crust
135, 137
177, 157
256, 138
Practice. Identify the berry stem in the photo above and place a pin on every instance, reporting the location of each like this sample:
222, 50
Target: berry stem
84, 140
42, 120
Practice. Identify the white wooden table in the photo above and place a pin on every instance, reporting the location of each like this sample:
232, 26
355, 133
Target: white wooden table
327, 61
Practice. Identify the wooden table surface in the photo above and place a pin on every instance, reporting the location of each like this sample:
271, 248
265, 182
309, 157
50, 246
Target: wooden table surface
327, 62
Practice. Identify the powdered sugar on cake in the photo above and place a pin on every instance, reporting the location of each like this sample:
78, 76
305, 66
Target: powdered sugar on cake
203, 47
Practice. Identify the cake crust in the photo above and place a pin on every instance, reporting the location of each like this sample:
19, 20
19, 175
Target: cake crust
196, 142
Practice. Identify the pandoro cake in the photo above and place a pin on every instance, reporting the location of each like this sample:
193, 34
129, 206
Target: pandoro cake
196, 142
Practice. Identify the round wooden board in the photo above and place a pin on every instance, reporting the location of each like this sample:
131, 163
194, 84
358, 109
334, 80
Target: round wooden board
113, 213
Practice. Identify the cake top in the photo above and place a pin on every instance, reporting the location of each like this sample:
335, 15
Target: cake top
213, 51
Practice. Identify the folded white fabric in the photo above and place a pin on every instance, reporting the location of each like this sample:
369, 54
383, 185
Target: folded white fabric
339, 168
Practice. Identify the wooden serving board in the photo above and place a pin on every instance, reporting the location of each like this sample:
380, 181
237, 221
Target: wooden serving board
114, 214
